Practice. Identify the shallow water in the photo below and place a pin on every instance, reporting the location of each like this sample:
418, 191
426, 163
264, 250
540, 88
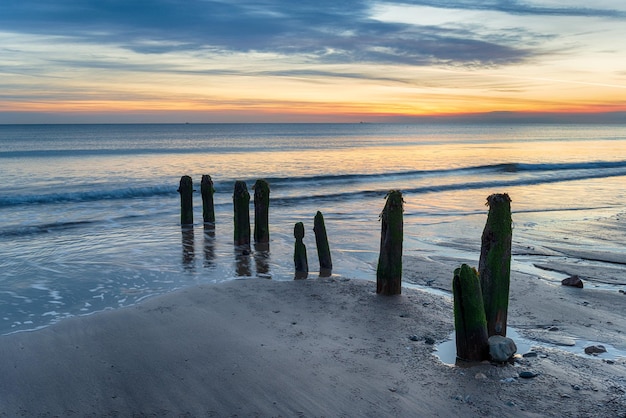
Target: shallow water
89, 214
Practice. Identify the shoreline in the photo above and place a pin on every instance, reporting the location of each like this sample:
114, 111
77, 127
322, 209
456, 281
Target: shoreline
315, 347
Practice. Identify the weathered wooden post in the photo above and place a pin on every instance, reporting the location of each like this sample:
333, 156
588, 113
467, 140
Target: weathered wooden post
299, 253
207, 190
241, 204
494, 265
186, 203
323, 249
389, 272
261, 211
469, 316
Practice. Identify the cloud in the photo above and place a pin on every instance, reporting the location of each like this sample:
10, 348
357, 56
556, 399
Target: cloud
324, 31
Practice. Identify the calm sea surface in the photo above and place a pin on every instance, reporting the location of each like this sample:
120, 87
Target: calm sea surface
90, 214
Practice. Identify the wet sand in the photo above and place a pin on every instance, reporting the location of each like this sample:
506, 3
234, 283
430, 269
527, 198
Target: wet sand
317, 347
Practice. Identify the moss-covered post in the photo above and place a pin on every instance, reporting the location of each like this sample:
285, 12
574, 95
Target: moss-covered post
261, 211
323, 249
494, 265
299, 253
389, 272
469, 316
207, 190
241, 204
186, 203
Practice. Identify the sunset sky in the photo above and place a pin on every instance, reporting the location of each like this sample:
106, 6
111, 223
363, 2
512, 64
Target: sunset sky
307, 61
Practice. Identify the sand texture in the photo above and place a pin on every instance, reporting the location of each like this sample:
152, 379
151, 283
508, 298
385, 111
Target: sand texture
312, 348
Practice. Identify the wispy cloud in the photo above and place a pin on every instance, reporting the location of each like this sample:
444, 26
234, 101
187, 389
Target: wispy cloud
327, 31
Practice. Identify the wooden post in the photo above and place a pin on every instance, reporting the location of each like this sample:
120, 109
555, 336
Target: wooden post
299, 253
207, 190
241, 204
261, 211
186, 203
323, 249
469, 316
494, 265
389, 272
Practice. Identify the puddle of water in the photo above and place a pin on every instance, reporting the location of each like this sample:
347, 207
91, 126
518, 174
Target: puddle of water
446, 351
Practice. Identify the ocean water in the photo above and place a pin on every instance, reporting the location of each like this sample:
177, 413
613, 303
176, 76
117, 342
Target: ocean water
90, 214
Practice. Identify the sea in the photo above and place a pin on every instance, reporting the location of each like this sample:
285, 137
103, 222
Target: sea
90, 214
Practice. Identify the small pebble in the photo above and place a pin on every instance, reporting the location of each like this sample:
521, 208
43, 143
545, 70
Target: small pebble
429, 340
528, 375
530, 354
414, 338
480, 376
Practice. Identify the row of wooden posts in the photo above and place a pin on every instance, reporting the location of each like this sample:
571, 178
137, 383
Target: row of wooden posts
241, 205
481, 296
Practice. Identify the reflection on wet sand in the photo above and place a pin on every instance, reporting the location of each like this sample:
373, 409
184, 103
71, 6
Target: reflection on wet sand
188, 247
209, 244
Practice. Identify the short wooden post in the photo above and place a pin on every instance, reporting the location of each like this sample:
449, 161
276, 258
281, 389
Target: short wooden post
299, 253
389, 272
261, 211
241, 204
494, 265
186, 203
323, 249
207, 190
469, 316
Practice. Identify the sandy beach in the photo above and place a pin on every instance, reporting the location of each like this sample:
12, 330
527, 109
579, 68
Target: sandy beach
311, 348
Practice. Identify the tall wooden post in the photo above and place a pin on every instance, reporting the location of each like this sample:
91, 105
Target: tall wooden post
494, 265
299, 253
207, 190
323, 249
389, 272
186, 203
241, 204
261, 211
469, 316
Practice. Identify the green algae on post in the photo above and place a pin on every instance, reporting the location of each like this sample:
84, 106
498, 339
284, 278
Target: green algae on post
470, 324
299, 254
185, 189
261, 211
241, 204
207, 190
323, 249
389, 271
494, 265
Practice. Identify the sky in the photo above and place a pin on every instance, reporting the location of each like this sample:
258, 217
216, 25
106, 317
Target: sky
119, 61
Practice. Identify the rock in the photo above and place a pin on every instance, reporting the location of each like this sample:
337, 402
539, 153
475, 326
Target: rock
429, 340
414, 338
528, 375
573, 281
595, 349
480, 376
530, 354
501, 348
